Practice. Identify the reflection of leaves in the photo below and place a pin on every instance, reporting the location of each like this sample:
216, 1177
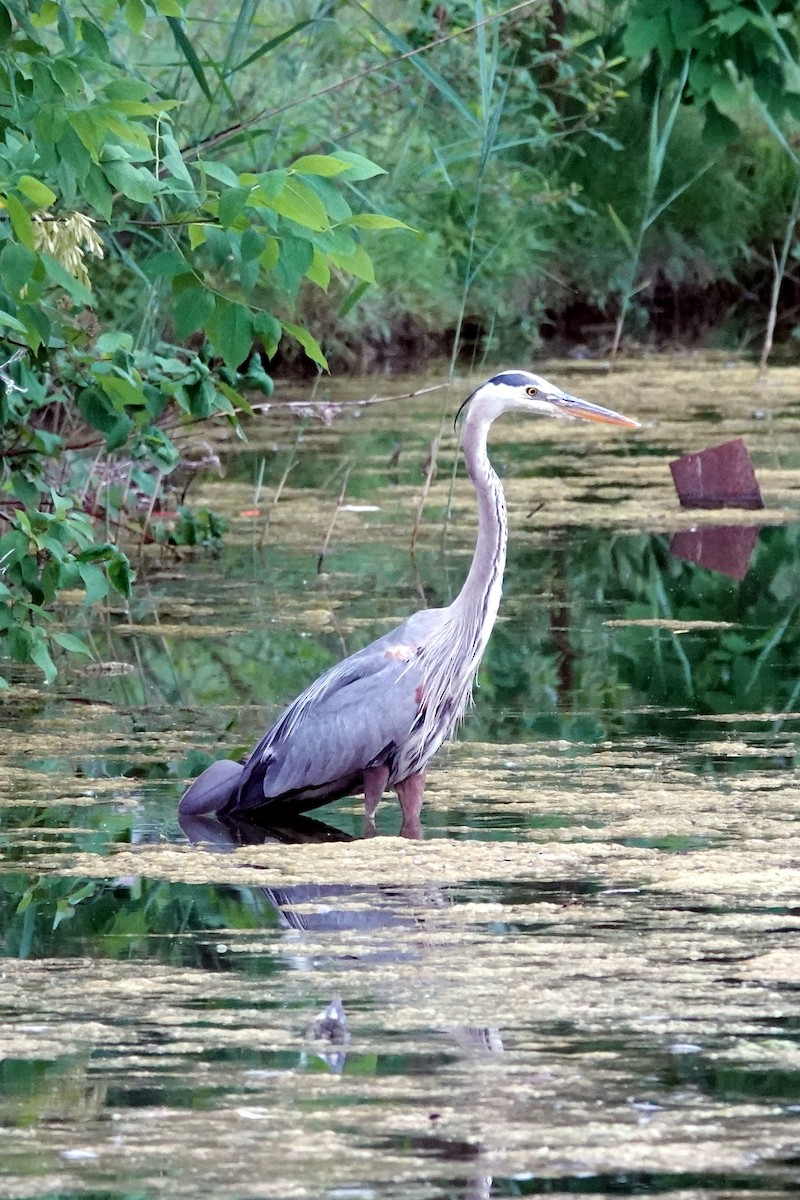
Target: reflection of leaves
755, 666
65, 907
120, 917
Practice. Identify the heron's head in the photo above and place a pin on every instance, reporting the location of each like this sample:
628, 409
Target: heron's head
522, 391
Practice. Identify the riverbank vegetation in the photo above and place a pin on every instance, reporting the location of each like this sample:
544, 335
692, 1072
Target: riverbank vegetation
196, 198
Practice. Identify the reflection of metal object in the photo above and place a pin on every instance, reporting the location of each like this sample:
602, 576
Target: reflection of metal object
726, 549
375, 720
719, 477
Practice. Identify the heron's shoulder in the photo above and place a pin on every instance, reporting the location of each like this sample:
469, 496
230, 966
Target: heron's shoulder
421, 625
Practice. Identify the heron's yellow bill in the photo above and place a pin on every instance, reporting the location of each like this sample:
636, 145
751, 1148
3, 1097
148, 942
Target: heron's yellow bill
582, 410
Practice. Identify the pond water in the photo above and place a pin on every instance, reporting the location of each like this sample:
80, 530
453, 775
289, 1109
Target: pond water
585, 979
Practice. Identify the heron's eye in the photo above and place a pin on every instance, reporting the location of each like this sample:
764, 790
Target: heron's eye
532, 391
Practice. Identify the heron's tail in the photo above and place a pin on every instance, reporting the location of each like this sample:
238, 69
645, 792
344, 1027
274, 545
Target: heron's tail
212, 790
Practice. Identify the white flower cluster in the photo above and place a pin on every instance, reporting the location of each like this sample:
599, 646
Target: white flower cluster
68, 239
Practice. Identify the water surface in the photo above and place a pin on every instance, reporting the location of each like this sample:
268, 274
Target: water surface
584, 980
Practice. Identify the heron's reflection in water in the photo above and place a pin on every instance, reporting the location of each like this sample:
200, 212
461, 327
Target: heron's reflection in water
364, 909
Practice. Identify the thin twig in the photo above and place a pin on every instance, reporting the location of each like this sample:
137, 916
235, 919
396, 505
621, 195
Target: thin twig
153, 498
89, 475
433, 454
326, 410
326, 541
279, 489
778, 275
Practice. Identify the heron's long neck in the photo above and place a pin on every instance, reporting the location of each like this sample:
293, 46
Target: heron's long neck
479, 598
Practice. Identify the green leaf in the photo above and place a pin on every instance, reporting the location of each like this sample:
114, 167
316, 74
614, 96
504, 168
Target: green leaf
189, 53
297, 201
330, 193
96, 190
68, 641
268, 330
20, 222
272, 44
97, 410
319, 272
352, 298
121, 389
135, 15
37, 324
119, 433
231, 205
120, 575
13, 547
198, 234
113, 340
97, 553
40, 655
377, 221
38, 193
172, 159
251, 245
359, 167
88, 131
270, 254
64, 912
733, 20
296, 257
136, 183
166, 263
309, 343
358, 263
94, 39
622, 230
94, 582
220, 172
719, 130
193, 308
230, 331
16, 266
319, 164
9, 322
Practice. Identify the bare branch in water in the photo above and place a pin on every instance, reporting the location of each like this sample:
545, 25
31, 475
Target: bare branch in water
326, 541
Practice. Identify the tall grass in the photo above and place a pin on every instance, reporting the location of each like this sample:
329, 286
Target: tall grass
661, 129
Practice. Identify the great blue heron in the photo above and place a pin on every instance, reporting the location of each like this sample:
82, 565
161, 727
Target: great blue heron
376, 719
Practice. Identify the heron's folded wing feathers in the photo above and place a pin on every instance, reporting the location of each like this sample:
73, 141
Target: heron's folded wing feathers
351, 718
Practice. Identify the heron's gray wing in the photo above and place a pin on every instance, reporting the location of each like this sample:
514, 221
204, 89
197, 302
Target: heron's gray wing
354, 716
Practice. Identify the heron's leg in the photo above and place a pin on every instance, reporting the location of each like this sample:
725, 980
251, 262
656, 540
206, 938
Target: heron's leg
374, 784
410, 793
